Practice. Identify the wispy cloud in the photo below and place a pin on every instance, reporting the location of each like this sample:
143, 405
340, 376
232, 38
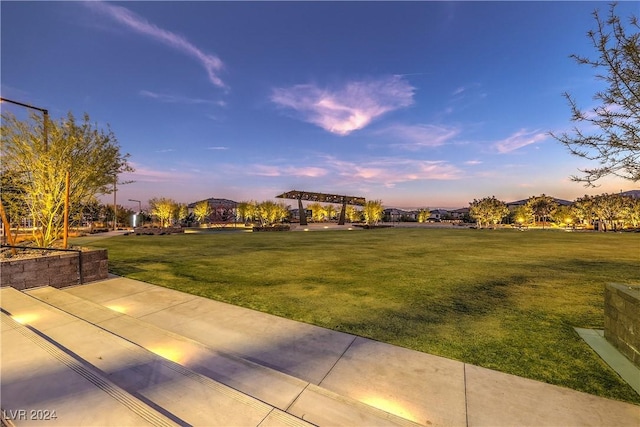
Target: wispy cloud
144, 173
165, 150
348, 108
211, 63
386, 172
473, 162
217, 148
179, 99
468, 90
520, 139
392, 171
273, 171
416, 137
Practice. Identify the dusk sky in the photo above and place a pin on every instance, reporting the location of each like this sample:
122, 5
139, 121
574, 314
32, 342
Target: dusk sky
417, 104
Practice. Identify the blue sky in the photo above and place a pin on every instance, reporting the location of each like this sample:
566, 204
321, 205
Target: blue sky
418, 104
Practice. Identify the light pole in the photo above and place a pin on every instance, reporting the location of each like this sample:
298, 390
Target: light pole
45, 119
139, 206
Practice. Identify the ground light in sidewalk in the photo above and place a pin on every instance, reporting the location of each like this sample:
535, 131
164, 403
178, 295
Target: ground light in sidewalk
389, 406
168, 353
26, 318
118, 308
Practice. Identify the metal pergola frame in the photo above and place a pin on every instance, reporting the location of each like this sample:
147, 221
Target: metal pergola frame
322, 197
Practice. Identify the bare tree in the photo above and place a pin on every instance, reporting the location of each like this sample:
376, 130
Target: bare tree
610, 133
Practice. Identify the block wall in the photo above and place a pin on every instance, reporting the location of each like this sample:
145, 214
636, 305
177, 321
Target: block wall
622, 319
58, 270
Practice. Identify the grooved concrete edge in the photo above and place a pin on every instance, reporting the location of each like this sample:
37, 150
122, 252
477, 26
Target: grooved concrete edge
616, 360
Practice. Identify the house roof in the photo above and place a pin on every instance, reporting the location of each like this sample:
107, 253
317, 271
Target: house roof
524, 202
631, 193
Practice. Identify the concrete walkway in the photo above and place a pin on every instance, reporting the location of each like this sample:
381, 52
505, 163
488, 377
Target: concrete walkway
181, 359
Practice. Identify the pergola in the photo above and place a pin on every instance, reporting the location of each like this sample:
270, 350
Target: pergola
322, 197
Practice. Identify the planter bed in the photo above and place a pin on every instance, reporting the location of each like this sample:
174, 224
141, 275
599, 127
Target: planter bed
57, 269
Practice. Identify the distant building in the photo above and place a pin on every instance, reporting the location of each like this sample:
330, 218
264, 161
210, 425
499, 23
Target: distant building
631, 193
397, 215
439, 214
460, 214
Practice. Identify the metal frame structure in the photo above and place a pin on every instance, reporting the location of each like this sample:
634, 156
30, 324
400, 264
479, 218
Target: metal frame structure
223, 211
322, 197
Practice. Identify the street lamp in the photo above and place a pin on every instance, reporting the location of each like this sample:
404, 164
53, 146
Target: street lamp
45, 114
139, 207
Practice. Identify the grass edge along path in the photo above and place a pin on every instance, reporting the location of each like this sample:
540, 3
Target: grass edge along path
499, 299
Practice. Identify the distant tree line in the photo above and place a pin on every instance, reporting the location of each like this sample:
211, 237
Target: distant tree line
606, 212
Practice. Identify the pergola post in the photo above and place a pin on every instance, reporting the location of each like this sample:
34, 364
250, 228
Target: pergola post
343, 212
302, 212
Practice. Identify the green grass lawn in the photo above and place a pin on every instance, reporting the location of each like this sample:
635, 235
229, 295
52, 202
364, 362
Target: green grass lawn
505, 300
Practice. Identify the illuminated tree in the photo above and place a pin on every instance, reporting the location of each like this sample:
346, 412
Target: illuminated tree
631, 212
202, 210
610, 132
317, 211
488, 210
609, 209
329, 211
91, 156
182, 212
353, 214
242, 209
564, 215
542, 206
523, 215
270, 213
583, 210
164, 209
424, 215
247, 211
372, 212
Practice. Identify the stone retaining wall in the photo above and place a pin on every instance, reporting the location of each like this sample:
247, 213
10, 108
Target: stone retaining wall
57, 270
622, 319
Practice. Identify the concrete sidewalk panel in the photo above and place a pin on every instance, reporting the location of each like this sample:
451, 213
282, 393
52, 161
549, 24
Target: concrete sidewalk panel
105, 290
147, 301
420, 387
72, 304
29, 311
498, 399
